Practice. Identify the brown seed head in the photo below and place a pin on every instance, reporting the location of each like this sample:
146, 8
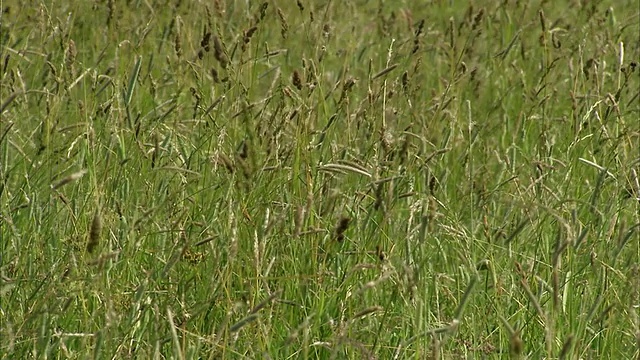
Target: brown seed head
284, 27
248, 34
297, 81
94, 232
219, 53
341, 227
206, 39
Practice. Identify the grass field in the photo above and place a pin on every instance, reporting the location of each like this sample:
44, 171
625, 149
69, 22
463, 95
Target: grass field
319, 179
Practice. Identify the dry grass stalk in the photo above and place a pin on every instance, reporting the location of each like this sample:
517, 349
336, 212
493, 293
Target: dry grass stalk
266, 301
71, 178
367, 311
243, 322
385, 71
341, 168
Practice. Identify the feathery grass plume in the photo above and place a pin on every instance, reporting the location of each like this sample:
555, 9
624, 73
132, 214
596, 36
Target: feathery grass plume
416, 38
284, 27
71, 178
219, 53
94, 232
300, 5
70, 57
341, 227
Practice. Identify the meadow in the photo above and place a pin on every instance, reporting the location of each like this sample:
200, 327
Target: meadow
319, 179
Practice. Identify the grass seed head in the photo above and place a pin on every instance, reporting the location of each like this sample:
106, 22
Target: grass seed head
341, 227
248, 34
177, 45
206, 39
219, 53
71, 178
284, 26
94, 232
297, 81
72, 52
326, 31
262, 12
214, 75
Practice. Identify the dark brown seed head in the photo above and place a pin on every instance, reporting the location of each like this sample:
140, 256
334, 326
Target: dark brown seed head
263, 11
214, 75
284, 26
219, 53
248, 34
341, 227
326, 30
206, 38
297, 81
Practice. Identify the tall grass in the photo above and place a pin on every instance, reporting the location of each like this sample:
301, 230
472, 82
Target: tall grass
338, 180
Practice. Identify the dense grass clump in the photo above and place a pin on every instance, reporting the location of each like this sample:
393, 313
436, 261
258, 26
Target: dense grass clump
319, 179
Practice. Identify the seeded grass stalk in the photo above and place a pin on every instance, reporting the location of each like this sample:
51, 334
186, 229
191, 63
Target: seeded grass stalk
331, 181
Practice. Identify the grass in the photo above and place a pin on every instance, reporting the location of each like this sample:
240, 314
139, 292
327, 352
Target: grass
333, 180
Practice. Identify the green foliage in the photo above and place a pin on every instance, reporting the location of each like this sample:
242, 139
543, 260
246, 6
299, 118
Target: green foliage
332, 180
